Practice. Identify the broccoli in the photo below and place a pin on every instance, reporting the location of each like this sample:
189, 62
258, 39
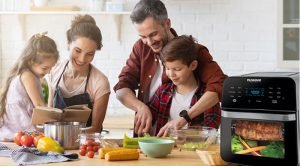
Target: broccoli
236, 144
274, 149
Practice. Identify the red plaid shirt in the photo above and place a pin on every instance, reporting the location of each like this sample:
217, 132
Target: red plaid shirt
161, 102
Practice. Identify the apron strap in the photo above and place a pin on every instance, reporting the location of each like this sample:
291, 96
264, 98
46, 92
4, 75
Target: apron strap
88, 76
61, 74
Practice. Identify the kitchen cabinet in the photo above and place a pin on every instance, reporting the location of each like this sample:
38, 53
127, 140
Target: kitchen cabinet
288, 34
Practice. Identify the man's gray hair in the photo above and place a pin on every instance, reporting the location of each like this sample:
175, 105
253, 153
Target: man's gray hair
149, 8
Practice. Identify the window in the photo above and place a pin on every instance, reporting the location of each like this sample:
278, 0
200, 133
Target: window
289, 27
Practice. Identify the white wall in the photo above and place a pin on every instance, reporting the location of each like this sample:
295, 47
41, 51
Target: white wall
240, 34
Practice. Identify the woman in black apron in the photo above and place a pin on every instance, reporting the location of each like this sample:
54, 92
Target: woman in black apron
60, 102
84, 38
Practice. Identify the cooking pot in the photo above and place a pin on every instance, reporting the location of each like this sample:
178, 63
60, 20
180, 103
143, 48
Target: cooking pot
65, 133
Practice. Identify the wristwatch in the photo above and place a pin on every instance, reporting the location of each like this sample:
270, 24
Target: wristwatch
185, 115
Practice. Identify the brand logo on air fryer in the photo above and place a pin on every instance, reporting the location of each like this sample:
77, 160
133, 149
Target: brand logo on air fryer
253, 80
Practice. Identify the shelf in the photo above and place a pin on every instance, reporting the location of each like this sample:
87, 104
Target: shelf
67, 12
115, 16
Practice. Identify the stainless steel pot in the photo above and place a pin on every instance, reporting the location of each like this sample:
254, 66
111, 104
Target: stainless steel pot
66, 133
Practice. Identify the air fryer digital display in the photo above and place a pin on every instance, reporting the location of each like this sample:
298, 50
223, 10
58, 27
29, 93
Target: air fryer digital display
263, 139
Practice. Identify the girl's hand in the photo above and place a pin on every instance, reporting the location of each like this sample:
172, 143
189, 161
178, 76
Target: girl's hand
174, 124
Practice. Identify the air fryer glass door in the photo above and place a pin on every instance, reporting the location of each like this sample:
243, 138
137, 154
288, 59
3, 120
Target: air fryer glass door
258, 139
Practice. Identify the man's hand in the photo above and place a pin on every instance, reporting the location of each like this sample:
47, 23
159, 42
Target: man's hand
174, 124
143, 121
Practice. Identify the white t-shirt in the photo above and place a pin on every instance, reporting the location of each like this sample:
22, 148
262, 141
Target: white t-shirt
156, 80
180, 102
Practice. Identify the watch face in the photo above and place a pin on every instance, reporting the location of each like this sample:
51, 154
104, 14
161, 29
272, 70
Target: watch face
182, 113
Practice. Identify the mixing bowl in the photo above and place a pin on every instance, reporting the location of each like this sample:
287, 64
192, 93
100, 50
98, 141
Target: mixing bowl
156, 148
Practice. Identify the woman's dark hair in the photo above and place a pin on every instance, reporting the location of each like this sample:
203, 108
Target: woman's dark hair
85, 26
149, 8
182, 48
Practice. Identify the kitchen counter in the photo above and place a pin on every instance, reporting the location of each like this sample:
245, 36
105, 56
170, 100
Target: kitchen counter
176, 157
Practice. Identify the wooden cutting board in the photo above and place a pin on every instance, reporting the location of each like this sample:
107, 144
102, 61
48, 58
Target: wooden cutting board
54, 8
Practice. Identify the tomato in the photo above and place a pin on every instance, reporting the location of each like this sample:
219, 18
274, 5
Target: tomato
82, 152
89, 142
90, 154
89, 148
17, 138
36, 139
83, 147
26, 140
96, 143
95, 148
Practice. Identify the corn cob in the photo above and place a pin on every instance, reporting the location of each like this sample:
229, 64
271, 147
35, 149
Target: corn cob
125, 154
103, 151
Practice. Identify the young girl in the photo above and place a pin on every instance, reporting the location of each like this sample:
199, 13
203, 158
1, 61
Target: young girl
21, 91
171, 103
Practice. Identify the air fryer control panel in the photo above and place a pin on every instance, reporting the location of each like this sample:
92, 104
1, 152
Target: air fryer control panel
263, 93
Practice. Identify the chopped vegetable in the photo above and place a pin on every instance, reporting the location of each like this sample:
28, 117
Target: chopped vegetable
192, 146
254, 149
236, 144
274, 149
248, 147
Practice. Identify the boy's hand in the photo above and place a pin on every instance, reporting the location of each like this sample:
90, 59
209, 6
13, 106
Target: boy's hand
175, 124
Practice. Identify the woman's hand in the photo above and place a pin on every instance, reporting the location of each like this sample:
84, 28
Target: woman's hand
174, 124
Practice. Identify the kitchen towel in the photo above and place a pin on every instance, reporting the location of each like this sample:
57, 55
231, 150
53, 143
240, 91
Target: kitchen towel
27, 156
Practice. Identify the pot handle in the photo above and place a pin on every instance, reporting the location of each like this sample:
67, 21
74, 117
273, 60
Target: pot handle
39, 126
85, 128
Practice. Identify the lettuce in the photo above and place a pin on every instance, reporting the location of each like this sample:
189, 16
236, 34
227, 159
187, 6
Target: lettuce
275, 150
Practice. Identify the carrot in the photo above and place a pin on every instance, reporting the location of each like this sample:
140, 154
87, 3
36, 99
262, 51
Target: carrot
258, 148
248, 147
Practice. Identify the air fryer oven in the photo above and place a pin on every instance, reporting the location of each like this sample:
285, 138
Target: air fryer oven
260, 119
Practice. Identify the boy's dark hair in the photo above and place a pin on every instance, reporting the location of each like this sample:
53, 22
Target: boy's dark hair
182, 48
149, 8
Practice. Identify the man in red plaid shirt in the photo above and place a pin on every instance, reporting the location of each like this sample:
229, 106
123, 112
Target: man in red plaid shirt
144, 72
172, 99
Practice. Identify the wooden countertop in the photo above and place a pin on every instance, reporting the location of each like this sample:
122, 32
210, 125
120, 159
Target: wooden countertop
176, 158
119, 122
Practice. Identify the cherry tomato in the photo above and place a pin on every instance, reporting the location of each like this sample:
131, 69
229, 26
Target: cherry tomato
96, 143
26, 140
89, 148
89, 142
36, 139
82, 152
90, 154
95, 148
83, 147
17, 138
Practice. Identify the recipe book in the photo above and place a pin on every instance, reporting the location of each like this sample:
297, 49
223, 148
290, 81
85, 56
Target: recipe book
75, 113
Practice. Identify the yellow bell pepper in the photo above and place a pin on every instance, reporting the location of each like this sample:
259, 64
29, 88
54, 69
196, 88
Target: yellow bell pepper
47, 144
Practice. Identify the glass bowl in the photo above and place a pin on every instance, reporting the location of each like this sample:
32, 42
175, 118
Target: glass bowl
194, 137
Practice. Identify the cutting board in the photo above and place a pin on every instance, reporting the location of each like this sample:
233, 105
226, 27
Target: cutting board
54, 8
